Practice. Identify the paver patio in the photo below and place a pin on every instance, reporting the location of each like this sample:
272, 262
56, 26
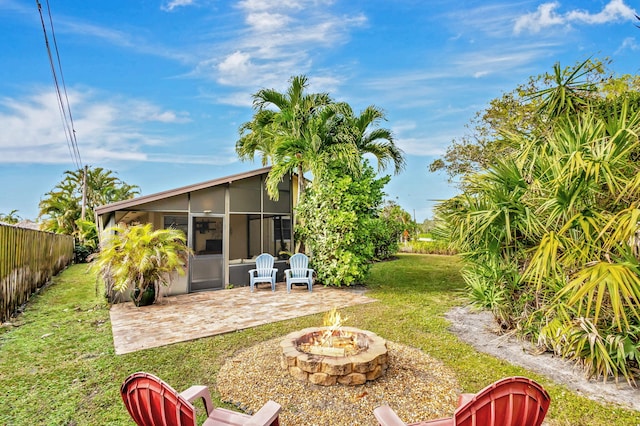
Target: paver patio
196, 315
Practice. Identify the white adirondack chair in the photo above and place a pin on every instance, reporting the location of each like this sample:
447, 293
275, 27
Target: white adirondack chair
299, 271
264, 271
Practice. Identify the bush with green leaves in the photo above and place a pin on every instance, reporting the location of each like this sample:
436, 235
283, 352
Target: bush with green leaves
339, 223
138, 257
428, 247
385, 234
550, 233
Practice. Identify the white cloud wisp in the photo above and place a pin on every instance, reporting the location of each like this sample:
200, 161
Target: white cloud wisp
546, 16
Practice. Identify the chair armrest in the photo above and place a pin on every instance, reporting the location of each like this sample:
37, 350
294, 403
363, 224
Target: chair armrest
252, 271
266, 415
310, 272
464, 398
199, 391
438, 422
387, 417
287, 272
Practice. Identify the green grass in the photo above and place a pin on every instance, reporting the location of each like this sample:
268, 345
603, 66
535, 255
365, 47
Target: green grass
58, 365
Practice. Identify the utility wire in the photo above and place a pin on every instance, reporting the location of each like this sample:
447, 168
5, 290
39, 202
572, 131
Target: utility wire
63, 104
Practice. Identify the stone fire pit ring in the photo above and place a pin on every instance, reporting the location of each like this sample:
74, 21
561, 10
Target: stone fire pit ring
327, 370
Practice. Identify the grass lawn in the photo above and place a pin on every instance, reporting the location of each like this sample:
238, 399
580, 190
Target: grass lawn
58, 365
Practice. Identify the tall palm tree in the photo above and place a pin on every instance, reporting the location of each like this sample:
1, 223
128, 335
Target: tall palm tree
11, 217
570, 92
285, 132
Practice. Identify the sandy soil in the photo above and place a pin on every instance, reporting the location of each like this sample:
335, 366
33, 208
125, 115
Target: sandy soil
479, 330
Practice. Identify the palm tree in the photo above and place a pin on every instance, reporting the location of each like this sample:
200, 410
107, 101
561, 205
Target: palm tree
568, 94
550, 234
376, 141
287, 130
11, 217
139, 257
62, 206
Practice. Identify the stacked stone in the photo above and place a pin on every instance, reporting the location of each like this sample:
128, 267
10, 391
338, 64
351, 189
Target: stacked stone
326, 370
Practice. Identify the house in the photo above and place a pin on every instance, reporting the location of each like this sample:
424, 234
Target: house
227, 221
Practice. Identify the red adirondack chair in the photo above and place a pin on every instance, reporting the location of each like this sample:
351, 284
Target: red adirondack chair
152, 402
514, 401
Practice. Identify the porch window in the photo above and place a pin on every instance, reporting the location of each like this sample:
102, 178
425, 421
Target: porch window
180, 222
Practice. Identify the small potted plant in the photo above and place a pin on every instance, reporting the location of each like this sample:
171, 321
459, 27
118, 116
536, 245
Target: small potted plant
141, 259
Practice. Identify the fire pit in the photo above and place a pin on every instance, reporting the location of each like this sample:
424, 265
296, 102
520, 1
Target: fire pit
329, 355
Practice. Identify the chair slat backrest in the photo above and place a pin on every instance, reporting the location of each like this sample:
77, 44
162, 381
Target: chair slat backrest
299, 264
514, 401
152, 402
264, 265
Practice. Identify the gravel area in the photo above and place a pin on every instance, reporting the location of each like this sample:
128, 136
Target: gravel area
479, 329
415, 385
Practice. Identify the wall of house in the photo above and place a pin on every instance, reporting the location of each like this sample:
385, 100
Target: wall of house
179, 285
207, 200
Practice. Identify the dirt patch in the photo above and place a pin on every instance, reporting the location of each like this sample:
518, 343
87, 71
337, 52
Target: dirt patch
479, 329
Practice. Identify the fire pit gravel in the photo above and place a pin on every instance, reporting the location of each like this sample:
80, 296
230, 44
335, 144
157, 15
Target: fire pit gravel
417, 386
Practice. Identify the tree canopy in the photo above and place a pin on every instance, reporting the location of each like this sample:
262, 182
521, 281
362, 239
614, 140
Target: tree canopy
300, 132
527, 110
61, 208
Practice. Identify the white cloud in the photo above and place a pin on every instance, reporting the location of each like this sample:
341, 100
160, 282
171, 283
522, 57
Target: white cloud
239, 99
212, 160
615, 10
542, 18
235, 69
546, 16
486, 18
629, 43
262, 5
278, 39
169, 6
422, 146
482, 63
106, 128
409, 137
89, 32
265, 21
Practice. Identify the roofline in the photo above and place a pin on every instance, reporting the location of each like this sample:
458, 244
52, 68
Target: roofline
125, 204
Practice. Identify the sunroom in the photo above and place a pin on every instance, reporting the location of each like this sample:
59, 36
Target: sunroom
228, 223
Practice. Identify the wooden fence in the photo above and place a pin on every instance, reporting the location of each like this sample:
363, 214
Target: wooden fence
28, 259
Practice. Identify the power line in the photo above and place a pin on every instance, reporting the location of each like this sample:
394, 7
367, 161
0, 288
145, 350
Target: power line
64, 106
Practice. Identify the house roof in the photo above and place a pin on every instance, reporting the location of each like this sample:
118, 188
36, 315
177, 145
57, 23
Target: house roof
127, 204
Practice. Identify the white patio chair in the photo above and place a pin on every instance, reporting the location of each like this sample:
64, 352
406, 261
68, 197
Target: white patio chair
299, 271
264, 271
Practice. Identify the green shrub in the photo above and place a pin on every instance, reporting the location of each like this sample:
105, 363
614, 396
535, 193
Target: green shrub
338, 225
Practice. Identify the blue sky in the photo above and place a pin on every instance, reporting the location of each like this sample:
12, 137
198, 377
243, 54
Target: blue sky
159, 88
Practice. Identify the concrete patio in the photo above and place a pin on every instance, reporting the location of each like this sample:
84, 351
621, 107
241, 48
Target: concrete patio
196, 315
